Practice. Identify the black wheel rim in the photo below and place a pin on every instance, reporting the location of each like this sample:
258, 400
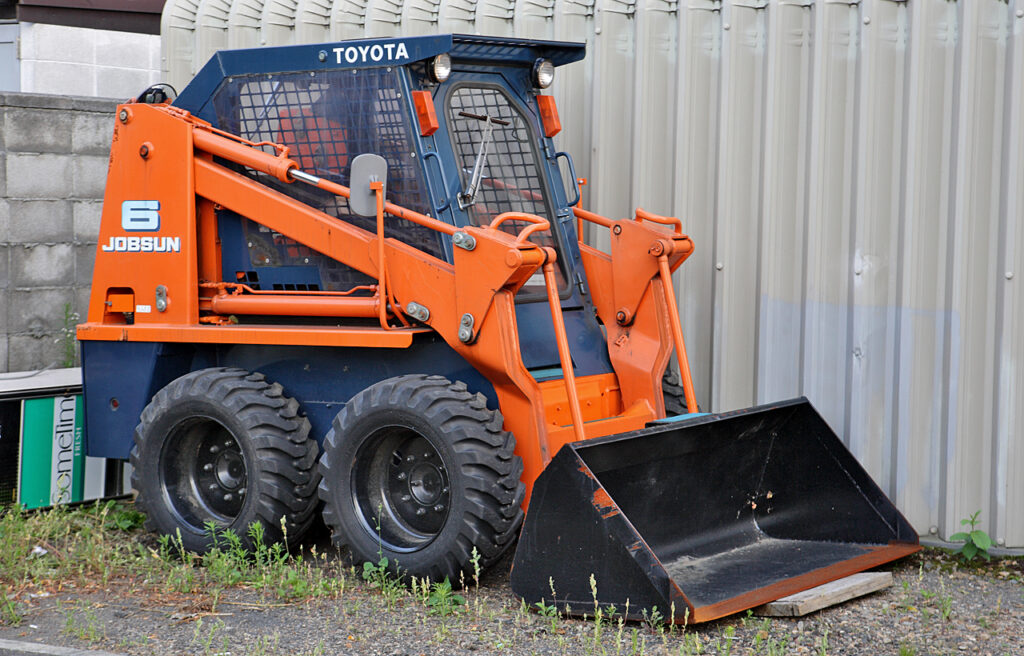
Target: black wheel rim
203, 473
401, 489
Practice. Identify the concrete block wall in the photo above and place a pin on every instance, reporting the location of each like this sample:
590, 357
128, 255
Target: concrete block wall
53, 167
78, 61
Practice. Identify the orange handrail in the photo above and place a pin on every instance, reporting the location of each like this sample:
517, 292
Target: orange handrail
568, 375
677, 334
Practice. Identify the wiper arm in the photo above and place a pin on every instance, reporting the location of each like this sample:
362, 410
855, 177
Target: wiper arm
468, 197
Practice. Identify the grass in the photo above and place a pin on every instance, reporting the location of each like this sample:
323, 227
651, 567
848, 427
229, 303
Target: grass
102, 547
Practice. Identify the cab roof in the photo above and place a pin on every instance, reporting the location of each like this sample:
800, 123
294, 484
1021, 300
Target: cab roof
367, 53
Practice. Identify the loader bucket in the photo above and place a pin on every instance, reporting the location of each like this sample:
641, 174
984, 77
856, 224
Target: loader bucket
704, 517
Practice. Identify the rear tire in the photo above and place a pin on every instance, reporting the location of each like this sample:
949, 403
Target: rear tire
224, 446
418, 470
672, 392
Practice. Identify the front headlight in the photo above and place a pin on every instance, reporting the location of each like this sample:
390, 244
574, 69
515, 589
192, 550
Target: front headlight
440, 67
543, 73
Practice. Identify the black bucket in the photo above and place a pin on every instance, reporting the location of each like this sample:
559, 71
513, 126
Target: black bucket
705, 517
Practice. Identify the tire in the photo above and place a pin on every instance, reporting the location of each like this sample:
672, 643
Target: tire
672, 391
227, 447
418, 470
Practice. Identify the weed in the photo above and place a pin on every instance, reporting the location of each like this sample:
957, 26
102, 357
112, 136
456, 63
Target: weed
976, 541
907, 650
84, 626
9, 611
823, 644
380, 577
442, 601
654, 619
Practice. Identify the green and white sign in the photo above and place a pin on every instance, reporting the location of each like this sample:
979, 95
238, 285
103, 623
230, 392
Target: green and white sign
52, 458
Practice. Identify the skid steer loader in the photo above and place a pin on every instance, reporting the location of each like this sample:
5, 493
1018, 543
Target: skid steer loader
351, 274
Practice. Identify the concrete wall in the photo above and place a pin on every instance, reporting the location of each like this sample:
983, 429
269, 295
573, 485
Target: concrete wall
76, 61
53, 167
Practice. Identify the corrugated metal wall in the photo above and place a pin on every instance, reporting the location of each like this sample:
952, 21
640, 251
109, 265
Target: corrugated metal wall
852, 174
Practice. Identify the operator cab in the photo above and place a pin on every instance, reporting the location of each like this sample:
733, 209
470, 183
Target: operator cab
465, 126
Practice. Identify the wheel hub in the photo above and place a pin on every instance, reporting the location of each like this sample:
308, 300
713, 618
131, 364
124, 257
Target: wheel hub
230, 470
401, 489
426, 484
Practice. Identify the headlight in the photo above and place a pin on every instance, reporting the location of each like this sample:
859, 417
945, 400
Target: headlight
440, 67
543, 73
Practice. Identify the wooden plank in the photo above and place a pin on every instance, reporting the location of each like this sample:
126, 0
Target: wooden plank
829, 594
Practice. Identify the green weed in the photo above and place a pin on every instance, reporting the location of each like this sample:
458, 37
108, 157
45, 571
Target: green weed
441, 600
976, 541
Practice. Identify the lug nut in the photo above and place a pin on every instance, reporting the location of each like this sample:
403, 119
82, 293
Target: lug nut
227, 444
401, 476
420, 512
214, 449
241, 492
410, 458
208, 467
212, 487
228, 497
427, 455
438, 508
406, 497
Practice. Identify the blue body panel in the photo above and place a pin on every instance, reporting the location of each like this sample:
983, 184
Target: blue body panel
322, 379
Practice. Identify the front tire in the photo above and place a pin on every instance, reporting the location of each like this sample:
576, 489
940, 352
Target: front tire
227, 448
418, 470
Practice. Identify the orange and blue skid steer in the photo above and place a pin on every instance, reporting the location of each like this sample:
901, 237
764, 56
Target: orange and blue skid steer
347, 279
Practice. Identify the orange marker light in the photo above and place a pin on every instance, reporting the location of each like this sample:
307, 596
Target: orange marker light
425, 112
549, 115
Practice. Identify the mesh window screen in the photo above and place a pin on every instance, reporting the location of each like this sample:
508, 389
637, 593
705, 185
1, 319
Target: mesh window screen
327, 119
511, 180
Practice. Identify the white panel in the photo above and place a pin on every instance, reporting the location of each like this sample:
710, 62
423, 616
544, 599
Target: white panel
654, 98
277, 22
786, 168
420, 17
244, 24
494, 17
975, 259
458, 16
876, 231
10, 75
1009, 514
534, 19
95, 475
313, 21
611, 142
695, 171
737, 229
924, 322
826, 346
348, 19
177, 41
573, 86
383, 18
211, 29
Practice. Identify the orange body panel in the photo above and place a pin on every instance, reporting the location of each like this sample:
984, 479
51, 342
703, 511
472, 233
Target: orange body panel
481, 283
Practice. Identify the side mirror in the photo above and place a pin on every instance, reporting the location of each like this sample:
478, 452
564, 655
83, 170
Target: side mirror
366, 168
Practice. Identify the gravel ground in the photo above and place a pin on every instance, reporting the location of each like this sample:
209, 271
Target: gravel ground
935, 606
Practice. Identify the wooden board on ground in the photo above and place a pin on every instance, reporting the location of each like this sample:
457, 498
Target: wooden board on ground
829, 594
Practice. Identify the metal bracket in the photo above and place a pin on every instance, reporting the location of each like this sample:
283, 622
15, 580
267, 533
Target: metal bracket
161, 298
417, 311
464, 240
466, 328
